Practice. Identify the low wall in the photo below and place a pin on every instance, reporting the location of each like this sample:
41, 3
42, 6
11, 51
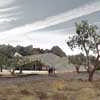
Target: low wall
32, 72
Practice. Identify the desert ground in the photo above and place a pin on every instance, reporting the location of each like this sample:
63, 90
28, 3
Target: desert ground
63, 86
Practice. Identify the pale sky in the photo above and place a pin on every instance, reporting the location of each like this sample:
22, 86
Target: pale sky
44, 23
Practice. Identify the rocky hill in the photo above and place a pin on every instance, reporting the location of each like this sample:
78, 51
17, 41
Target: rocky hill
60, 63
58, 51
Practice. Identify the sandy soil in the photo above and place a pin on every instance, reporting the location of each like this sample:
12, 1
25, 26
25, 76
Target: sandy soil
66, 86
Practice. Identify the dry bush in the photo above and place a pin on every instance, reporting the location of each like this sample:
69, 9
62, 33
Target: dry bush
58, 85
29, 98
86, 94
59, 96
41, 95
25, 92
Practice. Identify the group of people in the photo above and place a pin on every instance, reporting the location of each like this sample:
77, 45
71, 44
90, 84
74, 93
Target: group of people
51, 71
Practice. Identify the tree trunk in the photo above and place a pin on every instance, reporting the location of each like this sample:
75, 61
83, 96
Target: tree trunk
92, 69
1, 68
13, 71
87, 62
77, 69
21, 70
91, 76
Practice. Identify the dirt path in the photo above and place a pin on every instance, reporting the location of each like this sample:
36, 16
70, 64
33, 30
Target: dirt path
65, 76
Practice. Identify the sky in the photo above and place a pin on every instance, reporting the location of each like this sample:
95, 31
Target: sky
44, 23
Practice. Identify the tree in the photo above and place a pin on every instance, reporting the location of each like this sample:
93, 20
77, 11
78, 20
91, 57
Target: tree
18, 62
77, 61
86, 39
3, 60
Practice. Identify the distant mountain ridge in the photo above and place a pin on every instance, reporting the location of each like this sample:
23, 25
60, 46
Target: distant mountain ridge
9, 50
